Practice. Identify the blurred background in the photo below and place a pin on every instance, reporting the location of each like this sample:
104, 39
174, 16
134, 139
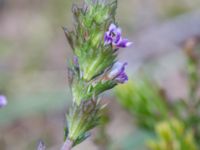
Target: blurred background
34, 55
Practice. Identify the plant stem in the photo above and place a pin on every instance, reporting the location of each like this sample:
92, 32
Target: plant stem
67, 145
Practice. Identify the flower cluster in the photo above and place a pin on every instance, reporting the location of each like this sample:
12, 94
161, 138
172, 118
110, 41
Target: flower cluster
114, 36
3, 101
94, 67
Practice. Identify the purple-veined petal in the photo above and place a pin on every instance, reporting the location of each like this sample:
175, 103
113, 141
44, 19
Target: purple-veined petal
117, 72
112, 27
116, 69
107, 38
118, 31
123, 43
122, 78
117, 36
113, 35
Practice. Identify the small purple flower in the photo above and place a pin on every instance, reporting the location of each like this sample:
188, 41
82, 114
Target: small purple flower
41, 145
3, 101
118, 73
114, 36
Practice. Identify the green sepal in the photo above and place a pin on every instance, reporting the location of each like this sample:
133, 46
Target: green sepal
70, 35
104, 86
83, 91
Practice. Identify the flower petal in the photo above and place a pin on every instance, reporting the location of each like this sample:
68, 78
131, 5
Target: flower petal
117, 69
3, 101
112, 27
122, 78
123, 43
107, 39
114, 36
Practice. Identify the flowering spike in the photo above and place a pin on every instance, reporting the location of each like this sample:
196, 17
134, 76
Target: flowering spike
3, 101
91, 71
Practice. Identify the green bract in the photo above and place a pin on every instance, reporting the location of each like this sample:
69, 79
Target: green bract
81, 119
87, 41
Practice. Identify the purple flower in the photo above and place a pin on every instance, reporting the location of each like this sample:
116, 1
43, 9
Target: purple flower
114, 36
117, 73
41, 145
3, 101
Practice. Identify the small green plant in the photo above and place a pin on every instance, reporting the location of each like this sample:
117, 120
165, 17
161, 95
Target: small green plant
94, 68
172, 135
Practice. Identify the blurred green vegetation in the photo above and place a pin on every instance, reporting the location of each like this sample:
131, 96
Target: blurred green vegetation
149, 106
172, 135
144, 100
135, 140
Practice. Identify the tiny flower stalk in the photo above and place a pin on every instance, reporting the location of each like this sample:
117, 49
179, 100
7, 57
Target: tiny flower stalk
94, 68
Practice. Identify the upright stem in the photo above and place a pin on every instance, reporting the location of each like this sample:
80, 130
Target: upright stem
67, 145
